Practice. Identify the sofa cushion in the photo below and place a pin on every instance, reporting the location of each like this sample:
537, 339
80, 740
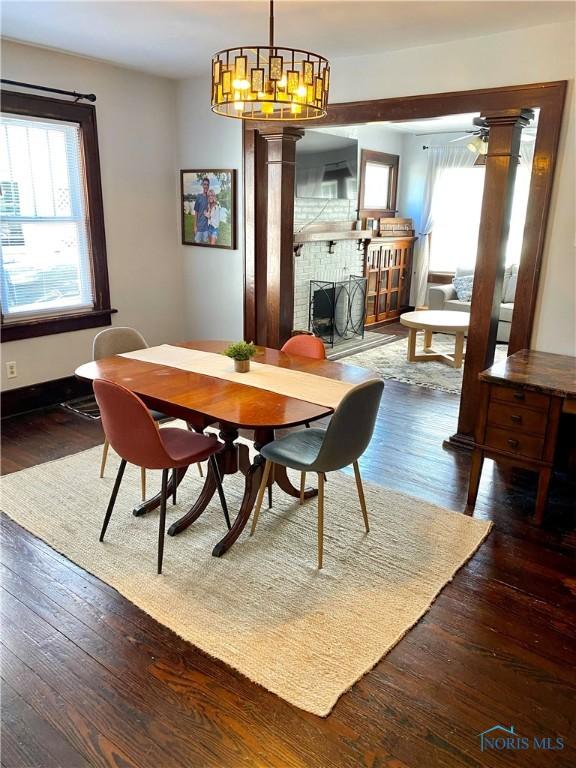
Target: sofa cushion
463, 287
454, 305
509, 287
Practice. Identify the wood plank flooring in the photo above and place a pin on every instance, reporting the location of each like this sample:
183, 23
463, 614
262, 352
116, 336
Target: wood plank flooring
90, 680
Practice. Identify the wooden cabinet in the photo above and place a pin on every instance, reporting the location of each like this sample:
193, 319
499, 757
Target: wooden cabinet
523, 399
388, 269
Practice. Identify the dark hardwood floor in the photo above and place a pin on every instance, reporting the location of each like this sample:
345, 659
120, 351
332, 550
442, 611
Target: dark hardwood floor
90, 680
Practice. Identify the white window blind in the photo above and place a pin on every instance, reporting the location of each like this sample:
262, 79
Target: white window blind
45, 254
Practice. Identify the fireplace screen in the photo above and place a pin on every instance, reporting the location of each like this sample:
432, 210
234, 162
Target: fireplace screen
337, 309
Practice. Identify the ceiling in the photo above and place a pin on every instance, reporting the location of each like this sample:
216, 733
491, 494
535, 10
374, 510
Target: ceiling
176, 39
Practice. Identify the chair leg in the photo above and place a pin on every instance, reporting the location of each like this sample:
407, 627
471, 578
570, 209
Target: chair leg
112, 501
217, 475
320, 518
174, 485
200, 471
143, 482
361, 495
260, 497
104, 457
162, 523
269, 497
302, 486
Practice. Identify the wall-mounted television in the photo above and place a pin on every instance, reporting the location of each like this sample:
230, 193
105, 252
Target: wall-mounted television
326, 166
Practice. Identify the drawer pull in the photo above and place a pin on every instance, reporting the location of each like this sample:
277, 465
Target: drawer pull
517, 419
518, 395
513, 443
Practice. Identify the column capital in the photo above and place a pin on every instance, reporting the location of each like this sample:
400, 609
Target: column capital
520, 117
279, 133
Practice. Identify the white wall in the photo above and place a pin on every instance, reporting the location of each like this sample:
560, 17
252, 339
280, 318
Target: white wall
537, 54
214, 281
136, 129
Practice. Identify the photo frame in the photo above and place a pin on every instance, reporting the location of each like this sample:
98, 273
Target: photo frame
208, 207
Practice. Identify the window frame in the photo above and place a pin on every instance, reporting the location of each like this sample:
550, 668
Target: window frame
391, 162
23, 104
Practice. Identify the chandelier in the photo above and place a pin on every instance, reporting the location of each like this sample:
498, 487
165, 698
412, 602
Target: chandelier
269, 82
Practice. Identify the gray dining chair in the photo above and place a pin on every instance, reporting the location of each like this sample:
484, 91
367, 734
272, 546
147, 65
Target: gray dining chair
115, 341
326, 450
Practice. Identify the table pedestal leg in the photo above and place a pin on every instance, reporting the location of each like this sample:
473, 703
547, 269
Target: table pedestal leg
427, 340
281, 477
412, 345
459, 350
227, 460
154, 502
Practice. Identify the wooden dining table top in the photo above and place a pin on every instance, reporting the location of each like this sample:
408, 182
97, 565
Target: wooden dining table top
179, 393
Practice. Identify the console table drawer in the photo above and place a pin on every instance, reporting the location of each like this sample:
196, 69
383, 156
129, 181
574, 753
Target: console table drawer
517, 417
520, 396
510, 441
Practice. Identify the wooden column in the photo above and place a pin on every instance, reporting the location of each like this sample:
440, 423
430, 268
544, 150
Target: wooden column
275, 275
501, 163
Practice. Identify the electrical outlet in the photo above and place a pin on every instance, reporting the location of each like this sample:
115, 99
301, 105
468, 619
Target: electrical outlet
11, 370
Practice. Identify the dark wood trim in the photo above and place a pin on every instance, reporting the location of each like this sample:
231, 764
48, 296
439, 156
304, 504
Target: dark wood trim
390, 161
48, 326
85, 115
501, 164
42, 395
233, 226
249, 139
440, 278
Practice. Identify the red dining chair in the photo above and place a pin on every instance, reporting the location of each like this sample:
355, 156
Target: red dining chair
136, 438
305, 346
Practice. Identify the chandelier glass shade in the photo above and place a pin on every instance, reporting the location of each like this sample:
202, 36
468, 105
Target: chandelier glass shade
270, 82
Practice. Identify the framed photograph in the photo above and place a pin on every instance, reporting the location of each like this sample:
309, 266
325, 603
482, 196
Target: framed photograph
208, 202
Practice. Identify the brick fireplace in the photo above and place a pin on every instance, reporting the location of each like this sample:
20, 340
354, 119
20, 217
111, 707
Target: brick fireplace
315, 262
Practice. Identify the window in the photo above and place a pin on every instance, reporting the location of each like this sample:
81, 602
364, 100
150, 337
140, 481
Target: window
53, 262
456, 208
378, 184
456, 214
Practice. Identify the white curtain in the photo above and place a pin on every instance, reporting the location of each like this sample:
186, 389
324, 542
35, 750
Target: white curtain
440, 158
309, 181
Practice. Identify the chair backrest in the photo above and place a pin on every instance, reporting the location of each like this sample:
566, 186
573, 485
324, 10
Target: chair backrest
351, 427
114, 341
129, 427
305, 346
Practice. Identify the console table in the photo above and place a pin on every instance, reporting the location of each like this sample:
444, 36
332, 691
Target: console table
523, 399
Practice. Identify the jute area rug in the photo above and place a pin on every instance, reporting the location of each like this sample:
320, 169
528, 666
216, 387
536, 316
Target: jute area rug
390, 362
263, 608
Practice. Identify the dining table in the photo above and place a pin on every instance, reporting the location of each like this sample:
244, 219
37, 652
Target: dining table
193, 381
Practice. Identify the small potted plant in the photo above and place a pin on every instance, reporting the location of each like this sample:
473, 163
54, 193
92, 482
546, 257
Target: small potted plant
241, 352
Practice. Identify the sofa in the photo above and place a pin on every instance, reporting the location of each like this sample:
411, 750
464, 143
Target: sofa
444, 297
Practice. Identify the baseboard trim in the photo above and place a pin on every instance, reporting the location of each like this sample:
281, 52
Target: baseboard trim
460, 441
42, 395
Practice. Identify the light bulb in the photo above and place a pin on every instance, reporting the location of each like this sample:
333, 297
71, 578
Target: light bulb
301, 90
282, 82
267, 108
241, 85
